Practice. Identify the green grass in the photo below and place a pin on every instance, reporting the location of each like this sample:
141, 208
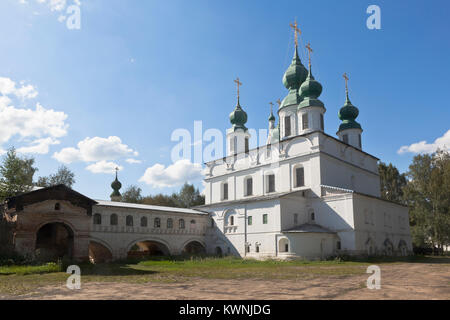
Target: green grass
24, 270
16, 280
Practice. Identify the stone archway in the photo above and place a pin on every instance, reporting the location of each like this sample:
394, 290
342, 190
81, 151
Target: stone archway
194, 248
54, 240
218, 252
99, 253
148, 248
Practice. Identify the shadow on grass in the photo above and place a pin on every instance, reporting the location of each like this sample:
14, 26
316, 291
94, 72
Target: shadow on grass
113, 269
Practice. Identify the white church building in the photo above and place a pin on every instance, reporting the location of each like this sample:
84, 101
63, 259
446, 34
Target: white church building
305, 194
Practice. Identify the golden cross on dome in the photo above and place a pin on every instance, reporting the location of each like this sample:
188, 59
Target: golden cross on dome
279, 102
297, 31
310, 50
346, 82
238, 83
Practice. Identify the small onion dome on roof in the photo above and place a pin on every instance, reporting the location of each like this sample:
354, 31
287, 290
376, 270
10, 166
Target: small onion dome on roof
238, 118
348, 114
116, 185
310, 90
293, 78
271, 117
274, 135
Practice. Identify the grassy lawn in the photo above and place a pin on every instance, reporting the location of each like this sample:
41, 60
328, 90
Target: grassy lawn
16, 280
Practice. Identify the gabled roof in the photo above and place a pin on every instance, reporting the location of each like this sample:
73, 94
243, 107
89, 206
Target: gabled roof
58, 192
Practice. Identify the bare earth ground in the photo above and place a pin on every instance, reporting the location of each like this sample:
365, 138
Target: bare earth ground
398, 281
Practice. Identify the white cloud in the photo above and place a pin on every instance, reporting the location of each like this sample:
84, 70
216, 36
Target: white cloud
26, 123
174, 175
133, 161
40, 127
104, 167
8, 87
424, 147
39, 146
94, 150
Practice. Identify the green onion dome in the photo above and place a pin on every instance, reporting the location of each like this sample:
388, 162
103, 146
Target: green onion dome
348, 114
271, 117
238, 118
310, 90
116, 185
293, 78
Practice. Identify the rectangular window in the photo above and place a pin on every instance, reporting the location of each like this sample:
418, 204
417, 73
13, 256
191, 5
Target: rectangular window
225, 191
287, 126
295, 218
305, 121
345, 138
338, 245
250, 220
359, 141
257, 249
249, 187
247, 148
271, 183
322, 126
265, 218
300, 177
268, 151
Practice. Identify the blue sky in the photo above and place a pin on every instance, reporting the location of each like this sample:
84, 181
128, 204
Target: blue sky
138, 70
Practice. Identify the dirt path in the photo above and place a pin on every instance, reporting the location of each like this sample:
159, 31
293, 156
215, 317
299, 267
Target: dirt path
398, 281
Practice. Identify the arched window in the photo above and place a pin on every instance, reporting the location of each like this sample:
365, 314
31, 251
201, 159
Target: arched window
143, 222
57, 206
287, 126
113, 220
181, 224
313, 216
169, 223
248, 186
129, 221
231, 220
192, 221
157, 223
97, 218
305, 122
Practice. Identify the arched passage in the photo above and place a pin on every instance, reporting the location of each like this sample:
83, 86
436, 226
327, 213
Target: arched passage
98, 253
148, 248
53, 241
194, 248
218, 252
283, 245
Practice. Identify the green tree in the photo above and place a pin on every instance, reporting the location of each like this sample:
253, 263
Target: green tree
189, 197
160, 200
391, 182
428, 197
132, 195
16, 174
62, 176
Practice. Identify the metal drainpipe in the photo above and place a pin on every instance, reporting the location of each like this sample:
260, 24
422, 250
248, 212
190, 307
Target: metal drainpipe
245, 231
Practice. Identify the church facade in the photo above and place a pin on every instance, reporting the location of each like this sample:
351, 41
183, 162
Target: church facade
304, 194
